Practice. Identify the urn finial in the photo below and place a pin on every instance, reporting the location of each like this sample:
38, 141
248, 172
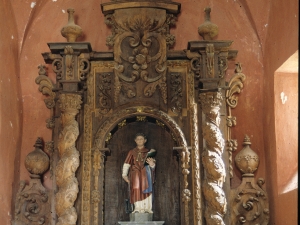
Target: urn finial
247, 160
208, 30
37, 161
71, 31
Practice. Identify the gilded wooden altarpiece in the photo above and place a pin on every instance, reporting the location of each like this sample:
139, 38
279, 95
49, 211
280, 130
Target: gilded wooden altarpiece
180, 99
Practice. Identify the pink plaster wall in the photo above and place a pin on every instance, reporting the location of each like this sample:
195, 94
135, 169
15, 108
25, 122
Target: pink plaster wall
264, 41
10, 110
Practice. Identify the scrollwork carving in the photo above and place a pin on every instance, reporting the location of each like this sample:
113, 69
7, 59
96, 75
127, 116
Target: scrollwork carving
57, 68
46, 86
250, 204
84, 68
145, 36
212, 159
235, 86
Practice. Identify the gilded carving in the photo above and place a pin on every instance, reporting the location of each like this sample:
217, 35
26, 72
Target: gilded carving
212, 159
140, 45
195, 152
46, 87
141, 118
249, 203
122, 124
104, 86
176, 92
32, 204
69, 160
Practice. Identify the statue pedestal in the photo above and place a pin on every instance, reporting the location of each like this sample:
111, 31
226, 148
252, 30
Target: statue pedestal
142, 223
141, 219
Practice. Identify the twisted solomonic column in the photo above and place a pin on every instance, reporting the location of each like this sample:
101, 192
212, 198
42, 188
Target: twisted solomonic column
69, 160
213, 164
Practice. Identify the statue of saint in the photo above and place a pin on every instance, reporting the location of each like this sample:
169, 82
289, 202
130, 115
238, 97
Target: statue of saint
138, 172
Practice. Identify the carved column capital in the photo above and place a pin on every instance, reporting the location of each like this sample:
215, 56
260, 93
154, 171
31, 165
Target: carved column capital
70, 103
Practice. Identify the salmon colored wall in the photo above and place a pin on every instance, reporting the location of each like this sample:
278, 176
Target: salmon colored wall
286, 127
10, 109
254, 26
282, 42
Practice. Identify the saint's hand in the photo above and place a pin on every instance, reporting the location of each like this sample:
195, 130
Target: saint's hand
150, 161
126, 179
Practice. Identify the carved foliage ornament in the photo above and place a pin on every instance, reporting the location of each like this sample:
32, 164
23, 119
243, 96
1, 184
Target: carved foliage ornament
140, 45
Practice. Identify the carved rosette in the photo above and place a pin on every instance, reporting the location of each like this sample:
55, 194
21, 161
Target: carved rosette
140, 47
250, 202
213, 164
69, 160
32, 205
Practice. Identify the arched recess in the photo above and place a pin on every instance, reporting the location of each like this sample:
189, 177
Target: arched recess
175, 134
120, 115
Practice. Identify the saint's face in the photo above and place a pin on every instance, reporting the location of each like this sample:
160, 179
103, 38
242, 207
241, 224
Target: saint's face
140, 141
